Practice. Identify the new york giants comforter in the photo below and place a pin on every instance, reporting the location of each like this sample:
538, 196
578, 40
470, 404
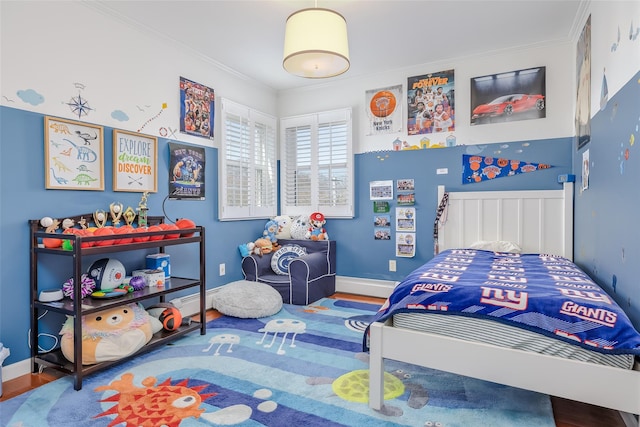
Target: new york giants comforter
542, 293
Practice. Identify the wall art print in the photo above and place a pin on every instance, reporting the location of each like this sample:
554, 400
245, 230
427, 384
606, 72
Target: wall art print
509, 96
186, 172
431, 103
384, 110
197, 109
479, 168
583, 86
135, 162
73, 155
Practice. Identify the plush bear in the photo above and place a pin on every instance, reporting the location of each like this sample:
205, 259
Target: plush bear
284, 226
316, 230
110, 334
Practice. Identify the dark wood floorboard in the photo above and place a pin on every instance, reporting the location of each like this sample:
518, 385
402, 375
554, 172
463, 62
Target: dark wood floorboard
567, 413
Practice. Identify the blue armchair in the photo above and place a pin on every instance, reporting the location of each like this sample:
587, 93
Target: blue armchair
311, 276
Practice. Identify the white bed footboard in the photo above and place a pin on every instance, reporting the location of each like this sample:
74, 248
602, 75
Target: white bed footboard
584, 382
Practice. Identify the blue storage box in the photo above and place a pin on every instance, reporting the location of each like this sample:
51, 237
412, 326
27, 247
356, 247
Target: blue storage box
159, 262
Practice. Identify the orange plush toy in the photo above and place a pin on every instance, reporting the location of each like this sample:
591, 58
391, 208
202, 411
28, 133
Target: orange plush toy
109, 334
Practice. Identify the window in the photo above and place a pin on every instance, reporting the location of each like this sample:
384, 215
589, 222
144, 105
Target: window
248, 175
316, 164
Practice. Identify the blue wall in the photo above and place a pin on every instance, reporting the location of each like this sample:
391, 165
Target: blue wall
23, 197
606, 231
359, 255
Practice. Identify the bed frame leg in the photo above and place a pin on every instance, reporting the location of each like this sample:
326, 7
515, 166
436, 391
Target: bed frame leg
376, 367
629, 420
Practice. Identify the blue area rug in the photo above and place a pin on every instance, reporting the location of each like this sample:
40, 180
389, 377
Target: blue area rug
301, 367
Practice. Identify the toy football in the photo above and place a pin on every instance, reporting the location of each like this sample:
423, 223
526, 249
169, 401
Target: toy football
108, 273
171, 319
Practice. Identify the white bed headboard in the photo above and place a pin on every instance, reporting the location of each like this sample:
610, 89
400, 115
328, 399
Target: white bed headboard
539, 221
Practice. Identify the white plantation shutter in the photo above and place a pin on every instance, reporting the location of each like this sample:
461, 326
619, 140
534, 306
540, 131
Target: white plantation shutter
317, 164
248, 177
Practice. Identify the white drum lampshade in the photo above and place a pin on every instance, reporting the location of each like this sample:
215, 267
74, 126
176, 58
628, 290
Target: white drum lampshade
315, 44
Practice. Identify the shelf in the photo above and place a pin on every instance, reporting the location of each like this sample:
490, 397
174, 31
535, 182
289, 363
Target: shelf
76, 307
56, 360
91, 305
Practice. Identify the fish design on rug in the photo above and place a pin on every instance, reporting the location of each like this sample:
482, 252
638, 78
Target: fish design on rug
152, 405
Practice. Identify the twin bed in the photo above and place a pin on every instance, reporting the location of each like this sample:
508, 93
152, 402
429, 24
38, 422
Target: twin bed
456, 312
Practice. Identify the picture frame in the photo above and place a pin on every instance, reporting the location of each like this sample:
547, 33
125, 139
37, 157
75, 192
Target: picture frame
73, 155
135, 162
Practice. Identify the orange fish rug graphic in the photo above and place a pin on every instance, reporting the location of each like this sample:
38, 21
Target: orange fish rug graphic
152, 405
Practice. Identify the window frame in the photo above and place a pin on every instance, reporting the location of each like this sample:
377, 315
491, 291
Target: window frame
257, 156
317, 152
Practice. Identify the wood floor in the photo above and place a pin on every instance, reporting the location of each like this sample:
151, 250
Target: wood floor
567, 413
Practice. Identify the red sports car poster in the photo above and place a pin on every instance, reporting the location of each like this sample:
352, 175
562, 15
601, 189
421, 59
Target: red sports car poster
431, 103
510, 96
384, 110
197, 107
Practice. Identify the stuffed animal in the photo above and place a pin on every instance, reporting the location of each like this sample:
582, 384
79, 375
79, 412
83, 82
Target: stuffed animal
246, 249
299, 227
262, 246
109, 334
270, 231
284, 226
316, 230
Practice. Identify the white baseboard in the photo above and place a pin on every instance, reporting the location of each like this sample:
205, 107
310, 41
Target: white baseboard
16, 370
368, 287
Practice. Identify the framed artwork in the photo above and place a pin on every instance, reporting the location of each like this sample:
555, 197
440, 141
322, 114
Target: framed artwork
583, 86
135, 162
509, 96
197, 108
73, 155
186, 172
431, 103
384, 110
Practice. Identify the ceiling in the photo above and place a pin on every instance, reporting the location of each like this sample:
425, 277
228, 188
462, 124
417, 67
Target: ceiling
247, 37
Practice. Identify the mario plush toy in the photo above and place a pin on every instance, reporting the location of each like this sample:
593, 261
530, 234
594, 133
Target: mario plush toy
316, 229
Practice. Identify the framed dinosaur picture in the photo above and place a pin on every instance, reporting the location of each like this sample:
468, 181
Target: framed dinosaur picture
73, 155
135, 162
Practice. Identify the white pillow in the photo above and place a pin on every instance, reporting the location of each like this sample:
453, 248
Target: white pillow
247, 300
497, 246
283, 256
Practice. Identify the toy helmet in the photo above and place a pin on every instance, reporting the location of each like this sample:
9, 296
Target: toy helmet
317, 217
108, 273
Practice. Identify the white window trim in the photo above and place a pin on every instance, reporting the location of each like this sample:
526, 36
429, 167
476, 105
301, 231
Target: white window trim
251, 211
314, 120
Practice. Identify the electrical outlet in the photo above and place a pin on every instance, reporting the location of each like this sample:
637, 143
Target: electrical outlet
222, 269
392, 265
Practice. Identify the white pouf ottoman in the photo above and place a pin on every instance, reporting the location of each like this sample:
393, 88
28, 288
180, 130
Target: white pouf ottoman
247, 300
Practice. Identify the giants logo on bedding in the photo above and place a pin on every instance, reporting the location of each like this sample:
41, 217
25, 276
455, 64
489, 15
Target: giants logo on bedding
511, 279
431, 287
451, 266
507, 268
562, 267
589, 296
505, 298
597, 315
438, 276
459, 260
571, 279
